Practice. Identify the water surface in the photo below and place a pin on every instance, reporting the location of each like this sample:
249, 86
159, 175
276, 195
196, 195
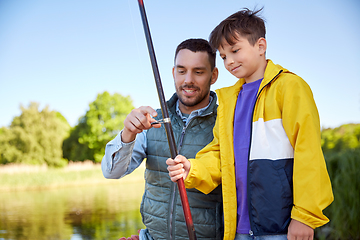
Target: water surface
103, 211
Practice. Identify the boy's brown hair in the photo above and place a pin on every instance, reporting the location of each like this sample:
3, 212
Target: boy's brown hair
244, 23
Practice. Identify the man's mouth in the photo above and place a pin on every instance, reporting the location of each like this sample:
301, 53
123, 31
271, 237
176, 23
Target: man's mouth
189, 90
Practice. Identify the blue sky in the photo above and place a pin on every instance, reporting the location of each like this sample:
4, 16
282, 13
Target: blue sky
63, 53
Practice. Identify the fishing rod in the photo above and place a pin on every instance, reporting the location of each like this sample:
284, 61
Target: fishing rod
167, 122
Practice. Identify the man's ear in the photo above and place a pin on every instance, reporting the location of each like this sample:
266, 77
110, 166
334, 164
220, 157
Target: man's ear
262, 45
173, 72
214, 75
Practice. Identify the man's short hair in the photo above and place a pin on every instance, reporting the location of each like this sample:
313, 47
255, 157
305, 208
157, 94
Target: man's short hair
198, 45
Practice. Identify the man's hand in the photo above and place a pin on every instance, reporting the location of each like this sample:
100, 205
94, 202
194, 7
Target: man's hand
299, 231
136, 121
133, 237
178, 167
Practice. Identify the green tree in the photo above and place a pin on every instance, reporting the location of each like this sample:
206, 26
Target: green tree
342, 138
34, 137
101, 123
341, 148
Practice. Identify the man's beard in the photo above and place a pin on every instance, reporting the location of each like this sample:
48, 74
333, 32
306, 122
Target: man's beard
195, 101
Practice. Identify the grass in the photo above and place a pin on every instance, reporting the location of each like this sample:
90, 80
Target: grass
24, 177
344, 212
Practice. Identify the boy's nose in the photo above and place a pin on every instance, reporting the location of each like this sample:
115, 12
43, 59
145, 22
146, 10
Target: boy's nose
229, 61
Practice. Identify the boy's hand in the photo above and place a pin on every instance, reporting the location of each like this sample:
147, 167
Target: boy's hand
136, 121
299, 231
178, 167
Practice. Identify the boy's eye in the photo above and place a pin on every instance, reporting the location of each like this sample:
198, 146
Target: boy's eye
235, 51
223, 57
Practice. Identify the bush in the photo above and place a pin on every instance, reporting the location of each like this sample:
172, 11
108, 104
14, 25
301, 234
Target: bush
101, 123
344, 212
34, 137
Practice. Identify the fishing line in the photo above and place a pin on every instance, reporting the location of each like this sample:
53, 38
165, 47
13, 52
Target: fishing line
136, 41
168, 127
140, 60
144, 77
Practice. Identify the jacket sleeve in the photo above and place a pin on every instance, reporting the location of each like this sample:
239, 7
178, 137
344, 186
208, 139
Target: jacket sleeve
311, 183
121, 159
205, 173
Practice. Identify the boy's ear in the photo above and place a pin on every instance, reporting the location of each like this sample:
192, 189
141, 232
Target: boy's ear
262, 45
214, 76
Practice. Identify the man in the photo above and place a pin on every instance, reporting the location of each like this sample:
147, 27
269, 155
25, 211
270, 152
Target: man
192, 110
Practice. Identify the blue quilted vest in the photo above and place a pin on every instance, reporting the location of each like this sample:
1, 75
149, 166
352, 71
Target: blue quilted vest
161, 207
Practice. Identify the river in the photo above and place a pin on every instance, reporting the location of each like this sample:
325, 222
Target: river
102, 211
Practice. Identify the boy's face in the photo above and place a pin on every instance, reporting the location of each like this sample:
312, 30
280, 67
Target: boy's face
244, 60
193, 78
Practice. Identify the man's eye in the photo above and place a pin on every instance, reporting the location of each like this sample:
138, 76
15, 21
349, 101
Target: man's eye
181, 71
199, 72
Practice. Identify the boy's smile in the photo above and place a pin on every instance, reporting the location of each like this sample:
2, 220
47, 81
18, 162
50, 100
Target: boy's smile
235, 68
244, 60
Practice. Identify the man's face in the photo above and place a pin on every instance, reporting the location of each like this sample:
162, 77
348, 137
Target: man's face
193, 78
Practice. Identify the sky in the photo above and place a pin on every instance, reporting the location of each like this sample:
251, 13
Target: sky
62, 54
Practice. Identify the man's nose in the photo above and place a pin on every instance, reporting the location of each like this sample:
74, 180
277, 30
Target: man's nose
189, 78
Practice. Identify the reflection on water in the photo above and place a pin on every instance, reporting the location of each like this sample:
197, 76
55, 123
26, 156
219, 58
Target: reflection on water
104, 211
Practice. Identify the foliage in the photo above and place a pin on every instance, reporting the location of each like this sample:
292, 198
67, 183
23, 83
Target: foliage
342, 138
344, 212
101, 123
341, 148
34, 137
73, 149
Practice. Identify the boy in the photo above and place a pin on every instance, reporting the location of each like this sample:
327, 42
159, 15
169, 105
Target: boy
266, 148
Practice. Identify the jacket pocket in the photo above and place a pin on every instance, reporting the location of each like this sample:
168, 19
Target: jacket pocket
270, 195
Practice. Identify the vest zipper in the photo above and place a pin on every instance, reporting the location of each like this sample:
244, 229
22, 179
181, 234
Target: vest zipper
251, 129
173, 184
184, 129
181, 139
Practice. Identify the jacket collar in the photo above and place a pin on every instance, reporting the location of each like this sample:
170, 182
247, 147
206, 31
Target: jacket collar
270, 72
230, 93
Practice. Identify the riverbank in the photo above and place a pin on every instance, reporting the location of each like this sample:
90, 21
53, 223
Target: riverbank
25, 177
